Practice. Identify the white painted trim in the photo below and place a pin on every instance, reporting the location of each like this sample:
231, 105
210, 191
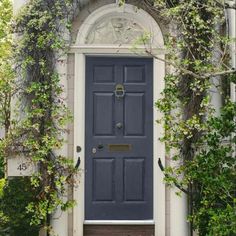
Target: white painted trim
119, 222
117, 49
79, 132
159, 152
232, 32
81, 51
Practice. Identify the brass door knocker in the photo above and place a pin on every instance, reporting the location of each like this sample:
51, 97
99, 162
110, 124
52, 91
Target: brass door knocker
119, 91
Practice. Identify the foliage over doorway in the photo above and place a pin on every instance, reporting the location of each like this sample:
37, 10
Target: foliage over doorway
202, 143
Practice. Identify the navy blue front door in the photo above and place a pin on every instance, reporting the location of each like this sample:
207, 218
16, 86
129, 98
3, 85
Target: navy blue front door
119, 138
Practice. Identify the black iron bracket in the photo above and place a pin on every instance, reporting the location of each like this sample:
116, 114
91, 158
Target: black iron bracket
175, 182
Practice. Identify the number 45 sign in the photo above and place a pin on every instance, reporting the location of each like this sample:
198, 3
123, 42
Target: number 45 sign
20, 166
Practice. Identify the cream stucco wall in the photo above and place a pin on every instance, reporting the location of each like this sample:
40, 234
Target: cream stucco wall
17, 4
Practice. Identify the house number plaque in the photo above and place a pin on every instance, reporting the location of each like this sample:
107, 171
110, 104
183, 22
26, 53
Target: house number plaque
20, 166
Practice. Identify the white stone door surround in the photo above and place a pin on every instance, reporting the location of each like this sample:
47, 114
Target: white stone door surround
84, 45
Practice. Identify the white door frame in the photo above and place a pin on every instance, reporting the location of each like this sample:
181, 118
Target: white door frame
79, 139
81, 50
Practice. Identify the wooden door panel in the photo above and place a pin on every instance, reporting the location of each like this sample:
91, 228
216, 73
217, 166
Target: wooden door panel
119, 139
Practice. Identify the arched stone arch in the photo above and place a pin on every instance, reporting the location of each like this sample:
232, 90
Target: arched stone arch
125, 20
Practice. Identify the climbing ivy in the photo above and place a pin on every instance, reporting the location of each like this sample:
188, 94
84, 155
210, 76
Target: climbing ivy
41, 115
6, 73
199, 142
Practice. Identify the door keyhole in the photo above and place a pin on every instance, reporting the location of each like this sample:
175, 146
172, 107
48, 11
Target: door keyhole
100, 147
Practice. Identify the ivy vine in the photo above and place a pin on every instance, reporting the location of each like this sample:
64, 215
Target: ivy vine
7, 87
198, 141
38, 128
